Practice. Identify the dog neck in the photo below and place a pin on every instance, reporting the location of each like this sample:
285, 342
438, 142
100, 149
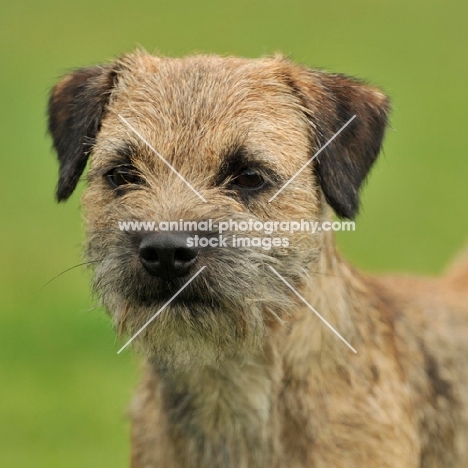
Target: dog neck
331, 292
223, 416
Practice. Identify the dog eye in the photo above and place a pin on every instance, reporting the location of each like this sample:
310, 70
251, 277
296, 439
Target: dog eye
123, 175
248, 179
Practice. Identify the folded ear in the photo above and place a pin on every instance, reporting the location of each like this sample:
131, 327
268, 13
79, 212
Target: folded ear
76, 107
330, 101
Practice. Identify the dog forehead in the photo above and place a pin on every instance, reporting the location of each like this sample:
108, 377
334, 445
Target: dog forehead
205, 90
206, 104
204, 79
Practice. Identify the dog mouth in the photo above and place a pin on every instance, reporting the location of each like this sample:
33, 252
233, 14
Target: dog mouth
188, 291
178, 291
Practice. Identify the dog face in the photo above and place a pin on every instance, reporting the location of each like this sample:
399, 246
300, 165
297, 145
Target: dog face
237, 131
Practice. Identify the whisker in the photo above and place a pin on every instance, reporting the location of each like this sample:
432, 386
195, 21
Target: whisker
67, 270
121, 326
318, 273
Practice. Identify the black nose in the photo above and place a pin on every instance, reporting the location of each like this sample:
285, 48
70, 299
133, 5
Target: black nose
166, 255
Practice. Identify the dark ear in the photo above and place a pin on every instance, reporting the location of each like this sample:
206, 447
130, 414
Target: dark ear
331, 100
76, 107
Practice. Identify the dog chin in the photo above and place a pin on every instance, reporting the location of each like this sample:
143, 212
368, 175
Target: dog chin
193, 334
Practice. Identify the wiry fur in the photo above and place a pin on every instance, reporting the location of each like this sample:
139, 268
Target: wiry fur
239, 372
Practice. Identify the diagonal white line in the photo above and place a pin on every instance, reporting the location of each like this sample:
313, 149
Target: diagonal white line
135, 131
312, 158
161, 309
312, 309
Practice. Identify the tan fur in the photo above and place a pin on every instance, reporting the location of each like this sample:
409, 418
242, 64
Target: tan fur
257, 380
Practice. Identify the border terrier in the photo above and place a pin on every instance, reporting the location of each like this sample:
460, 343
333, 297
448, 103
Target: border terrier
239, 370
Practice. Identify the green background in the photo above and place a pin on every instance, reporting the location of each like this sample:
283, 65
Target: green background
63, 389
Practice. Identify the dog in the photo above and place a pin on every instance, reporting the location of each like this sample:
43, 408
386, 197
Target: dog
243, 362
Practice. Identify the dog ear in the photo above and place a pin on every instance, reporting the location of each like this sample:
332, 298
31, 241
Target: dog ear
77, 105
330, 101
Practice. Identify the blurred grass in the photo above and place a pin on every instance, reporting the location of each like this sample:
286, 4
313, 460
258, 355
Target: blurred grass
64, 389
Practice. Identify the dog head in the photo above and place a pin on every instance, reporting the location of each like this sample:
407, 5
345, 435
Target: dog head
214, 138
